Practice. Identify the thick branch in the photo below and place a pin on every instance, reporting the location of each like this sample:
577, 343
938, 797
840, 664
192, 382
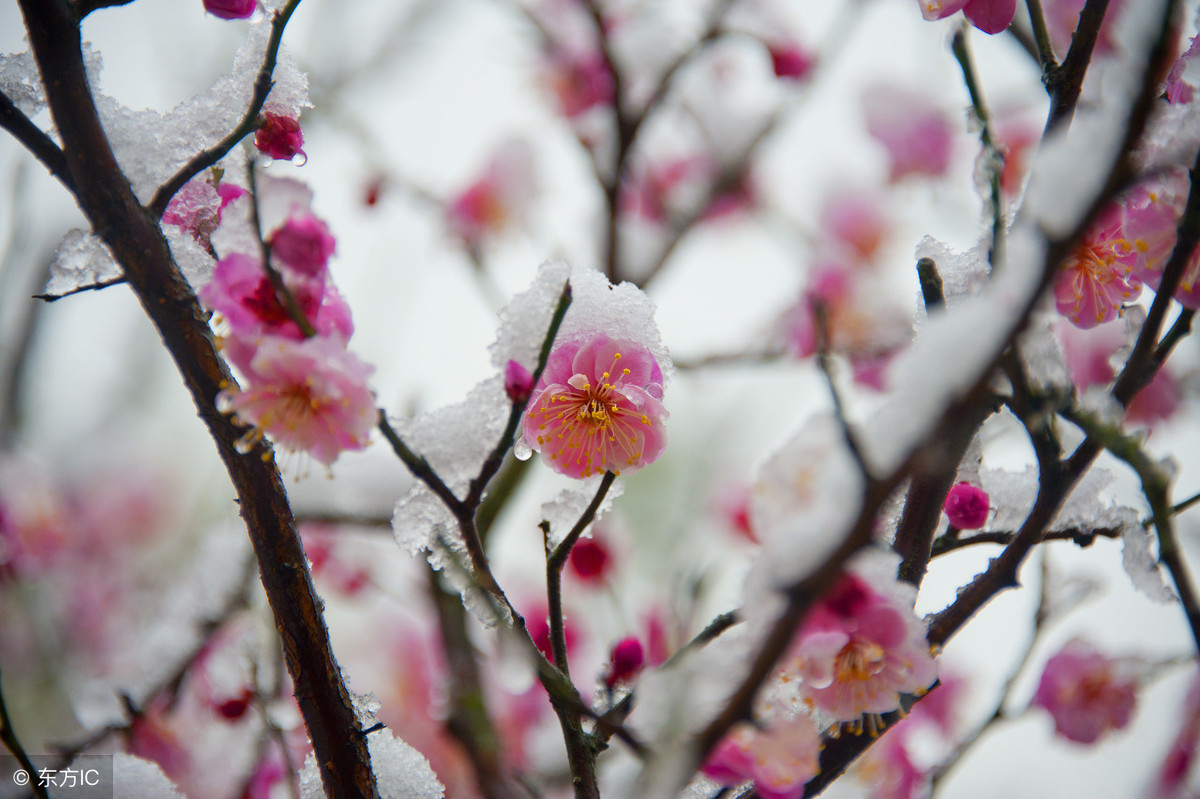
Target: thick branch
106, 197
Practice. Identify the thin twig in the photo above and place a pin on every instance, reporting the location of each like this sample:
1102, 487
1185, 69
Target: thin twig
262, 87
100, 284
283, 294
8, 736
35, 141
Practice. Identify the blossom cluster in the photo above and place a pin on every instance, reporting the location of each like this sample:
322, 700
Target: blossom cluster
287, 329
859, 650
1126, 247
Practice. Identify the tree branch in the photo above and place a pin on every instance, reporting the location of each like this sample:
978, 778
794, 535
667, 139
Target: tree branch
134, 236
35, 141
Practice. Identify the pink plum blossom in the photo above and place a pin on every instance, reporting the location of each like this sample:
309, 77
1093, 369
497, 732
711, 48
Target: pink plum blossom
1096, 279
790, 61
309, 396
304, 244
1177, 90
231, 9
625, 661
590, 560
855, 220
580, 80
917, 133
780, 758
966, 506
1088, 355
860, 322
242, 293
1152, 211
499, 198
1172, 782
990, 16
1087, 693
518, 382
858, 651
597, 408
889, 769
279, 136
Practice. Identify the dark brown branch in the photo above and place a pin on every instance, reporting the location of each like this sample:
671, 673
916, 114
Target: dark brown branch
85, 7
8, 736
106, 197
35, 140
1065, 82
468, 719
262, 87
1080, 536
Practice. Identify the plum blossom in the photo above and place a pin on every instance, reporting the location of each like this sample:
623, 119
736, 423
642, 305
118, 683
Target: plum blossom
917, 133
1172, 782
304, 244
625, 661
308, 395
1089, 354
231, 9
1087, 692
518, 382
590, 560
499, 198
580, 80
196, 208
1176, 89
966, 506
279, 136
597, 408
780, 758
791, 61
1097, 279
990, 16
242, 293
858, 651
1152, 211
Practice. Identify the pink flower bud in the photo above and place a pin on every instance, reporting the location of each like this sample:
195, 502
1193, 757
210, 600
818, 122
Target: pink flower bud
790, 62
233, 709
626, 661
518, 382
231, 9
589, 560
279, 136
966, 506
303, 243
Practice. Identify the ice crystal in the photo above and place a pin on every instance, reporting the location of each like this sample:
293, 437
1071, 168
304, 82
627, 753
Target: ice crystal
21, 82
565, 509
151, 146
81, 260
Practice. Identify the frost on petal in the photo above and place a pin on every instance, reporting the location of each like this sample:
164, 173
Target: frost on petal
804, 500
81, 260
134, 776
401, 771
151, 147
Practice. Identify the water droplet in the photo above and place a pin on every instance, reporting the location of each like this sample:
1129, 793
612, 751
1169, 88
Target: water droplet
521, 450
